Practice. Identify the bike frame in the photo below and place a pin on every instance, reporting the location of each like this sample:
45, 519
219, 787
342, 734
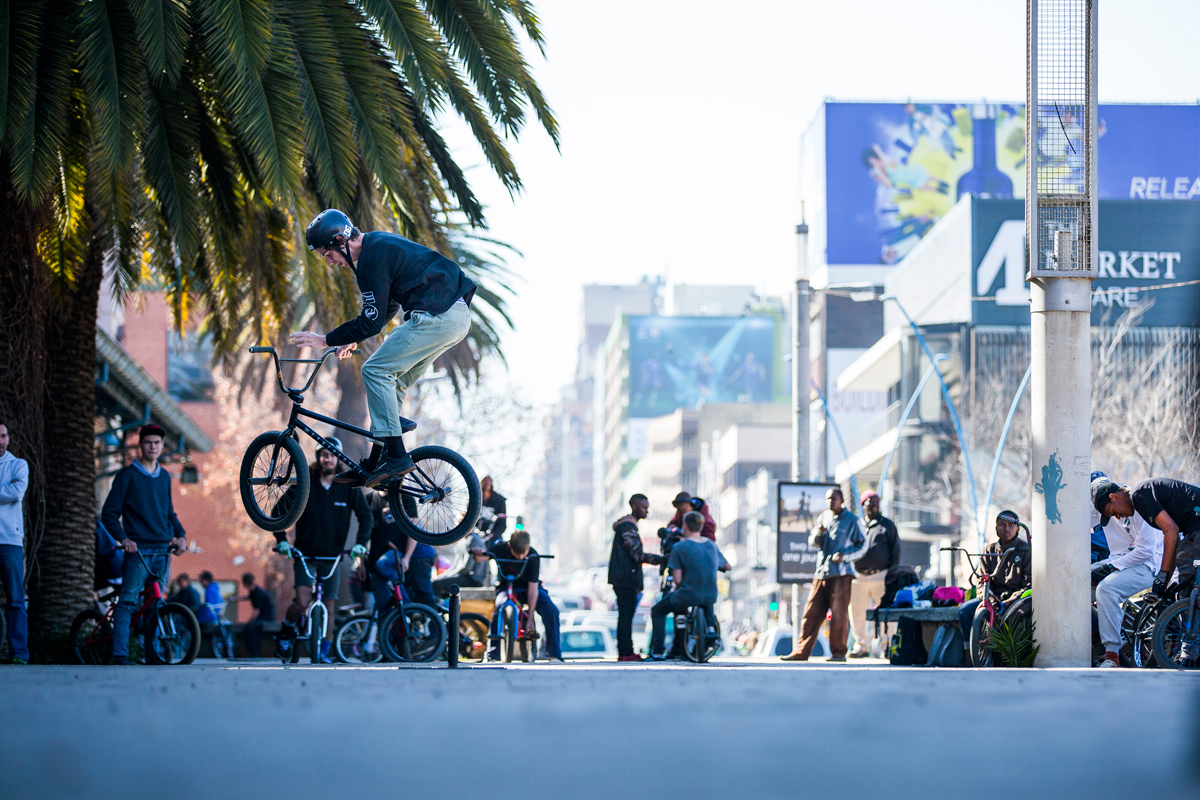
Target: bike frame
511, 598
318, 592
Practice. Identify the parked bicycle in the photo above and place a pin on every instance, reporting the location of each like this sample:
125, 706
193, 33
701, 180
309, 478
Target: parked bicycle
512, 628
223, 640
170, 632
442, 496
988, 615
314, 620
1177, 630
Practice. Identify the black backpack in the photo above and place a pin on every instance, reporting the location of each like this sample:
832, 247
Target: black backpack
897, 578
907, 648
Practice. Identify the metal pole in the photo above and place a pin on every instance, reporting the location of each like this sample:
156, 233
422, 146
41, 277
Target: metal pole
1012, 412
452, 633
801, 360
912, 401
841, 443
795, 616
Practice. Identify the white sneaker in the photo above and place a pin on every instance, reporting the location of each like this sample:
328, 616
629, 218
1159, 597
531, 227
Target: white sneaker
1108, 663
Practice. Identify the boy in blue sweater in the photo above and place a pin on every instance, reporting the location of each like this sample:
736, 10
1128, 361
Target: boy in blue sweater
140, 515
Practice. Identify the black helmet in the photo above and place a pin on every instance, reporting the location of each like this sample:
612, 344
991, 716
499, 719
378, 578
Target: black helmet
326, 227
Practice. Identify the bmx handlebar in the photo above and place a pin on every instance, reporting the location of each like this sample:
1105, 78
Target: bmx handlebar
320, 362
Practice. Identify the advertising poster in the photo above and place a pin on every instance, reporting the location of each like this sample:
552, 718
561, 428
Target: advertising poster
686, 362
799, 506
894, 169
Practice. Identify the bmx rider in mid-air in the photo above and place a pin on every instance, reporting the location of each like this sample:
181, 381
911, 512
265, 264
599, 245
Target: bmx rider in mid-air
392, 273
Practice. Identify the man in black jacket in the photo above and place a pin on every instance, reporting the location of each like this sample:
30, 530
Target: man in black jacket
392, 272
625, 572
321, 533
883, 553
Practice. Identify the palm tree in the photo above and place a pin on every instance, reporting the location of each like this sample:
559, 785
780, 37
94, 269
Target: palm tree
186, 142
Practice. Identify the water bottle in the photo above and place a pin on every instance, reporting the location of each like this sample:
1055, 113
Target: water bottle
983, 179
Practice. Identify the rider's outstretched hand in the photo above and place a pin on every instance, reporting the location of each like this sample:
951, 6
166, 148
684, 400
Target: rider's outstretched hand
308, 339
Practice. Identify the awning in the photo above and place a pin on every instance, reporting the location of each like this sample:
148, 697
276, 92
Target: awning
122, 383
876, 370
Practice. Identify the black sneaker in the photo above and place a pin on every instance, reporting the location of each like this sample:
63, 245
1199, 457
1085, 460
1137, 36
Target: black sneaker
407, 425
120, 661
390, 469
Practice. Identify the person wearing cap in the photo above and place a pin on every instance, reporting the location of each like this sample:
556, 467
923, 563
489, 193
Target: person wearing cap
1123, 574
392, 273
1014, 558
140, 514
1168, 505
684, 504
321, 533
882, 553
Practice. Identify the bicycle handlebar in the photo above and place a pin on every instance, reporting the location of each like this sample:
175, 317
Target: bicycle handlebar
320, 362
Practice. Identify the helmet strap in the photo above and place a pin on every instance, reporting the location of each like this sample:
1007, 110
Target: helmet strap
345, 250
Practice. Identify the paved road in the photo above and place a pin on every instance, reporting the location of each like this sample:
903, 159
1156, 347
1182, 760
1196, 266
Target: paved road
732, 729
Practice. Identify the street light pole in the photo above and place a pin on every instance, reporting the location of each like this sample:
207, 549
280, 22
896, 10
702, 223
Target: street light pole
801, 375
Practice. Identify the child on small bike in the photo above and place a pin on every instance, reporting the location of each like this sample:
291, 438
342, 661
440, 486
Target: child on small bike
694, 562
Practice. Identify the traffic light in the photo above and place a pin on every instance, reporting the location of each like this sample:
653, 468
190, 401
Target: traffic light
774, 606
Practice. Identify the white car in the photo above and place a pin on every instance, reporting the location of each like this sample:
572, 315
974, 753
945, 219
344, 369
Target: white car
587, 641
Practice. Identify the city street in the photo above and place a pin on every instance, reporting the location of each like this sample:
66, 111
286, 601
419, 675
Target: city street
729, 729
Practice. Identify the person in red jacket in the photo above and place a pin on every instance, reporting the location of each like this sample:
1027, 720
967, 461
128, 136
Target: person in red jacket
684, 503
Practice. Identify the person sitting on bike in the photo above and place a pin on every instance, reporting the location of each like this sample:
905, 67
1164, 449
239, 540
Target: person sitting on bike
1012, 554
321, 533
526, 586
694, 562
206, 613
140, 514
398, 558
1122, 575
392, 273
685, 504
1172, 507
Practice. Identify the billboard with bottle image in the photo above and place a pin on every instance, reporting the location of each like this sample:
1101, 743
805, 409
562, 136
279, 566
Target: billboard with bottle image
892, 170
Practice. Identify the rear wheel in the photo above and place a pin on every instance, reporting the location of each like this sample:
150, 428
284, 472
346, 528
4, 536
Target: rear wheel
472, 636
1177, 635
508, 635
316, 630
425, 639
173, 637
91, 638
440, 499
274, 481
351, 642
1139, 635
694, 641
981, 632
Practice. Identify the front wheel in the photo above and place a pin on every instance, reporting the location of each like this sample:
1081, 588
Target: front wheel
508, 634
91, 639
472, 636
316, 630
353, 644
440, 499
694, 644
274, 481
173, 637
981, 635
421, 637
1177, 635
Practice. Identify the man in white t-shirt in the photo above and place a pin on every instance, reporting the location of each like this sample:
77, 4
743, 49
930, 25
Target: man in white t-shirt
1126, 572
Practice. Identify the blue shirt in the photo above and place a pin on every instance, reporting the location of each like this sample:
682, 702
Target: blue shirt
212, 599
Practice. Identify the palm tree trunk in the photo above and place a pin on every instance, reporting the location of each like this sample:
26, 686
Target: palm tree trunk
352, 404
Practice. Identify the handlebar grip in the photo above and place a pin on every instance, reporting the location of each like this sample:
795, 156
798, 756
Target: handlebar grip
262, 349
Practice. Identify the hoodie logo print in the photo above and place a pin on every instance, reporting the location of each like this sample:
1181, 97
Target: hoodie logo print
369, 309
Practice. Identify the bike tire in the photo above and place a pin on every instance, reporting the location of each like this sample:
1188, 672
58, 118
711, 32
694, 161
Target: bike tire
222, 642
443, 491
174, 637
1140, 637
1172, 636
508, 634
980, 642
712, 643
426, 639
697, 626
316, 630
91, 639
350, 638
472, 636
264, 502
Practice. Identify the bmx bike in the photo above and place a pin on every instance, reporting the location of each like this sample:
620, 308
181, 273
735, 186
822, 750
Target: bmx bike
441, 497
512, 625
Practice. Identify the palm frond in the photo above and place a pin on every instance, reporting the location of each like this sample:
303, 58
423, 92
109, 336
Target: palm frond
162, 30
416, 44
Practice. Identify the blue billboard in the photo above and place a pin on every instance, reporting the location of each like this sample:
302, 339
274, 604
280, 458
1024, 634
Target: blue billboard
892, 170
686, 362
1149, 259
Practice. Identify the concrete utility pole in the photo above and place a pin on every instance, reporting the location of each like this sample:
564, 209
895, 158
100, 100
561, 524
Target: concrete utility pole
1061, 234
801, 376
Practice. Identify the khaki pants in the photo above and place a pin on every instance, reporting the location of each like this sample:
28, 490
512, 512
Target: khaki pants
865, 593
832, 596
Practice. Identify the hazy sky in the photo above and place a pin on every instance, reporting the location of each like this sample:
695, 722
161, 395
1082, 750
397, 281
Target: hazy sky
681, 124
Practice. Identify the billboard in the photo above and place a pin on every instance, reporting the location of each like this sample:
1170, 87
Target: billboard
892, 170
1145, 250
686, 362
799, 506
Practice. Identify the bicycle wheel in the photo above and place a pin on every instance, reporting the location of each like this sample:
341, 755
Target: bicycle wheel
425, 639
712, 640
443, 495
694, 644
351, 641
274, 481
508, 634
222, 642
173, 637
472, 636
1177, 635
317, 614
1139, 636
91, 638
981, 633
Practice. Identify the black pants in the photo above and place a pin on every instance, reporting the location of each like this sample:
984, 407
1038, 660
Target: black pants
252, 636
627, 598
418, 580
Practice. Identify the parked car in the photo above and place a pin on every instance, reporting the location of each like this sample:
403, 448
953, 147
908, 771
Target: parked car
777, 641
587, 641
